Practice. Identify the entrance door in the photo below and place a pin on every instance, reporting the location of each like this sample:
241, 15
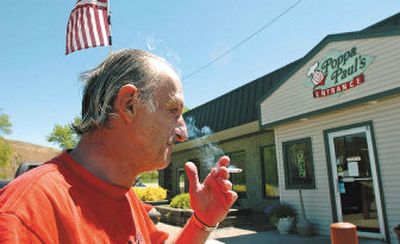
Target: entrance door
356, 186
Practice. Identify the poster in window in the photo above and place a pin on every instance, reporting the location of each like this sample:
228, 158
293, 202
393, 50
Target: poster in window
298, 164
302, 172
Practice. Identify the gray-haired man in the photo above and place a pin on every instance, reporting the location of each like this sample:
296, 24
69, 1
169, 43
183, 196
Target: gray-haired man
131, 117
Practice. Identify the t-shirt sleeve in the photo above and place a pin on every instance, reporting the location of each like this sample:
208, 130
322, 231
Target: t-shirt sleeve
156, 235
13, 230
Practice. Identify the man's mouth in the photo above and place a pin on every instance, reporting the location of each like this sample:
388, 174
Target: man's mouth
179, 138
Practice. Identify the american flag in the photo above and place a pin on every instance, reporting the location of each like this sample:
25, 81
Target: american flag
88, 26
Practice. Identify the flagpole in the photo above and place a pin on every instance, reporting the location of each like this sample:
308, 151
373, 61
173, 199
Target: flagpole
109, 23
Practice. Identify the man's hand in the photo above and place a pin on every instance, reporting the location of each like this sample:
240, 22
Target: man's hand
212, 199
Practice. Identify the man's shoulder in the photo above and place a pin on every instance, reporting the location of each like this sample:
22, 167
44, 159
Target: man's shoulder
32, 200
30, 187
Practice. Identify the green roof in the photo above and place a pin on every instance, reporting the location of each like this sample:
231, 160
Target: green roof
238, 106
241, 105
392, 21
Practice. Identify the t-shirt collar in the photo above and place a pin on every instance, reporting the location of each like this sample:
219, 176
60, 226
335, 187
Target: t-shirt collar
112, 190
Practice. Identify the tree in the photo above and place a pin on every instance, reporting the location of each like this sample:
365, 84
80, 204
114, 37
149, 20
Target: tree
5, 147
5, 124
5, 152
64, 135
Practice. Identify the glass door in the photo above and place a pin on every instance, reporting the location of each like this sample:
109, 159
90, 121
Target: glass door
356, 185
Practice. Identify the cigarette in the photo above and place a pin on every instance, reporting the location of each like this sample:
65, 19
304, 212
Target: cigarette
234, 170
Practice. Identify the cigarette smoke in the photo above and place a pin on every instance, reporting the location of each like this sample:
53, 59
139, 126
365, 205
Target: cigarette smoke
209, 152
160, 48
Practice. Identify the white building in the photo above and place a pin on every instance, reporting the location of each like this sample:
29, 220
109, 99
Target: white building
336, 119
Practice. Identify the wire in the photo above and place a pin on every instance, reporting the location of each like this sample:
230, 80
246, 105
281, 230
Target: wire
242, 42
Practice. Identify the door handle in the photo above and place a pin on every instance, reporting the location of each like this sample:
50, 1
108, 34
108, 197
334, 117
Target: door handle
363, 178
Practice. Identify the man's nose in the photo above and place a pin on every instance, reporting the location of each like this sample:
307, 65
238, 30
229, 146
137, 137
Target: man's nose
181, 130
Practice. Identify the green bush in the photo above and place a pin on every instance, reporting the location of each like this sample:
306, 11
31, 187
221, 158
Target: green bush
181, 201
275, 212
150, 194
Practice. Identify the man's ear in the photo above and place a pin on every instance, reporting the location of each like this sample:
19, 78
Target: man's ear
126, 102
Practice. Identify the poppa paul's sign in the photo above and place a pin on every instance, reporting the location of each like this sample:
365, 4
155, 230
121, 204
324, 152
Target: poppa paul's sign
338, 71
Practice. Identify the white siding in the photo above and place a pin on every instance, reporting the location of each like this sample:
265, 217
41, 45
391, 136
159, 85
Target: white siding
385, 116
294, 97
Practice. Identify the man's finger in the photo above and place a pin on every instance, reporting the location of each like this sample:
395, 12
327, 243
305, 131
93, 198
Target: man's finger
223, 161
193, 177
223, 172
231, 197
225, 185
216, 186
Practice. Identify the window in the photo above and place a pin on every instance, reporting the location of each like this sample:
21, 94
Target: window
299, 169
182, 182
269, 172
199, 167
239, 180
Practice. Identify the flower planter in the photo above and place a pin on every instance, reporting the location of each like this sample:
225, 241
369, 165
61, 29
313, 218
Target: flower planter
280, 211
285, 225
397, 231
174, 216
157, 203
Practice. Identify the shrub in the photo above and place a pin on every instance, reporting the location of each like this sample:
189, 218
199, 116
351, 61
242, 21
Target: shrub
150, 194
275, 212
181, 201
239, 188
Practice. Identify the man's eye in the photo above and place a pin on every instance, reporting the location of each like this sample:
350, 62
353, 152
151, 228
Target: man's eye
173, 110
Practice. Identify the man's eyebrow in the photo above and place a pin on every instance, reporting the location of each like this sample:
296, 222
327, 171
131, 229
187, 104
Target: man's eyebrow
174, 101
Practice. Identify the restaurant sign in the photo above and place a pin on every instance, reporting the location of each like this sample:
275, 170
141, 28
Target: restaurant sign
337, 72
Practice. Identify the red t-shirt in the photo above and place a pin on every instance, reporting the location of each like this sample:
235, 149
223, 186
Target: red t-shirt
62, 202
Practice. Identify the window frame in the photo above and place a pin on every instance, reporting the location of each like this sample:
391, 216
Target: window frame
263, 171
288, 184
185, 186
229, 154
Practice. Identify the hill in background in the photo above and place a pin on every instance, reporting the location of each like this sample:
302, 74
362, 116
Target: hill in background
26, 152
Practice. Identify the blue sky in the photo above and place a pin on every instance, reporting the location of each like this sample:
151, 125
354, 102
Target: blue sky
39, 85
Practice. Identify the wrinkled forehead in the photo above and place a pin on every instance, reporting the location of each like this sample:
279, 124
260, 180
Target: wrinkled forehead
169, 89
